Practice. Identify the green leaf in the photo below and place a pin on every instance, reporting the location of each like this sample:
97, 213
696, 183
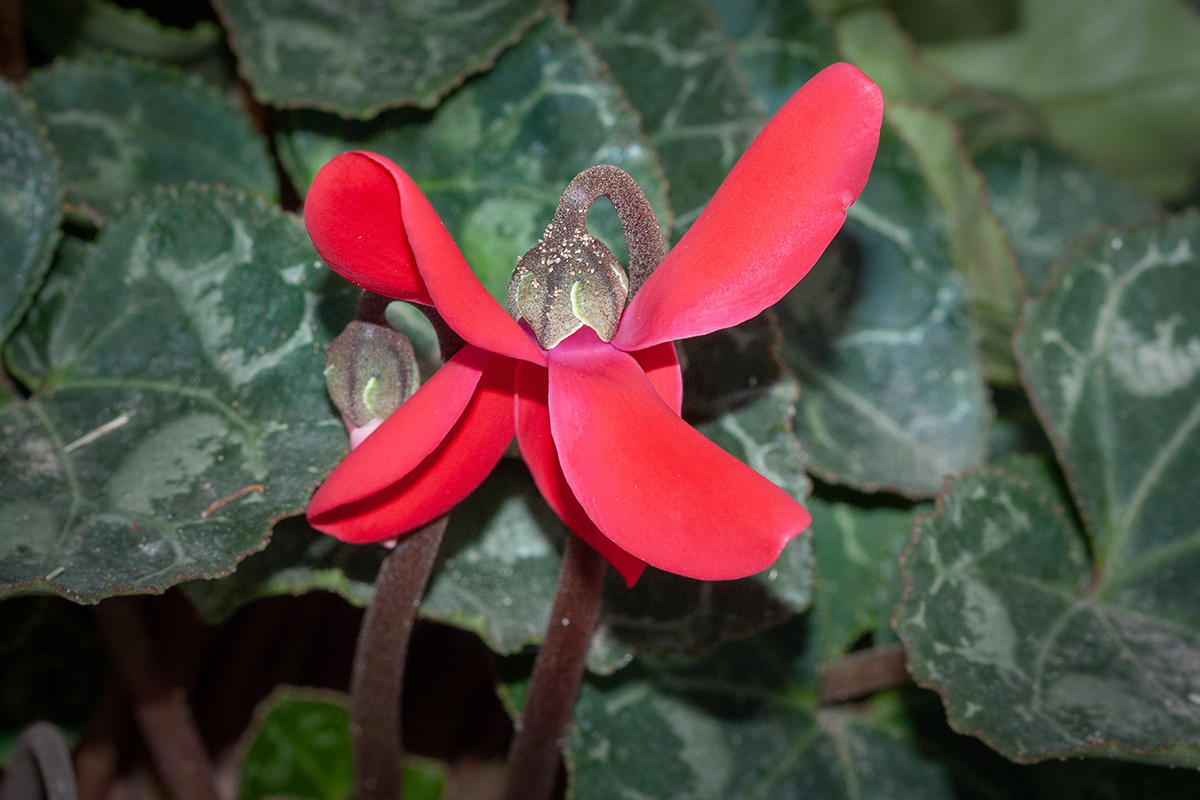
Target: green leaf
297, 559
934, 115
503, 553
760, 434
30, 194
495, 157
1047, 199
977, 241
180, 405
1035, 647
878, 334
858, 579
1111, 358
735, 728
496, 576
122, 127
72, 27
696, 112
1002, 618
1117, 81
358, 60
300, 746
780, 44
872, 39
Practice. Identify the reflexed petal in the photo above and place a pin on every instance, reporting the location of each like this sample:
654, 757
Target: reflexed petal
466, 456
352, 213
649, 481
457, 294
772, 217
661, 364
537, 449
406, 438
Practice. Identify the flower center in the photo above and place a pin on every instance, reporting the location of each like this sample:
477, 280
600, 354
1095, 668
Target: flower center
570, 279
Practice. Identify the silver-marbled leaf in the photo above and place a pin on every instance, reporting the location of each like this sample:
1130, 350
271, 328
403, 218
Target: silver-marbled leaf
122, 127
1031, 649
1043, 645
357, 59
179, 406
879, 336
1047, 199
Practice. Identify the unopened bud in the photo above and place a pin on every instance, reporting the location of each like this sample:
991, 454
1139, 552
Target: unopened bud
569, 279
370, 370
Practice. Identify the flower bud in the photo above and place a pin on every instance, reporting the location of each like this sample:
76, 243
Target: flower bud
569, 279
370, 370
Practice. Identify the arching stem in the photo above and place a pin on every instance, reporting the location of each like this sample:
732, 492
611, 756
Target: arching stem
643, 236
557, 674
377, 679
162, 711
40, 766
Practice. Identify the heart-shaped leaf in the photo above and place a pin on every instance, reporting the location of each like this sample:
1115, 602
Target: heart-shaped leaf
1038, 644
179, 405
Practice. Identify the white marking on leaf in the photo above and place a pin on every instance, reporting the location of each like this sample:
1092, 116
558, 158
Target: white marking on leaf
1152, 368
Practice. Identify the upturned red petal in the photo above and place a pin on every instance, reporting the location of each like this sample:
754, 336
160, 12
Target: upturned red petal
775, 213
426, 456
457, 294
649, 481
537, 450
352, 213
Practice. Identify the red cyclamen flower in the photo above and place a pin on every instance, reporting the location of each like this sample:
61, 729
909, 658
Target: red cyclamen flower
597, 421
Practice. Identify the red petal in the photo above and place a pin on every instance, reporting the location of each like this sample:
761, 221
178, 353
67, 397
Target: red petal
352, 213
649, 481
537, 448
457, 294
771, 218
426, 457
661, 365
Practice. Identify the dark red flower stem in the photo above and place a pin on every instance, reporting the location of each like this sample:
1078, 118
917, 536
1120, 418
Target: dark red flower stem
377, 679
863, 672
12, 46
557, 674
161, 708
40, 766
643, 236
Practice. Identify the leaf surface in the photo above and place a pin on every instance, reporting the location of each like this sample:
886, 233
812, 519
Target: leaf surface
30, 194
122, 127
879, 336
179, 405
1045, 640
359, 59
